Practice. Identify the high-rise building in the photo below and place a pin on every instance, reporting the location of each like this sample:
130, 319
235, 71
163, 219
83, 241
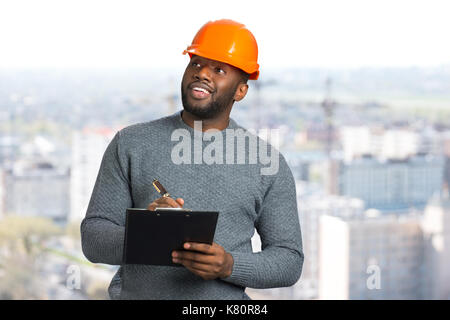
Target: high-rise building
392, 143
391, 184
387, 256
399, 144
371, 257
37, 189
9, 148
311, 208
356, 141
88, 147
436, 229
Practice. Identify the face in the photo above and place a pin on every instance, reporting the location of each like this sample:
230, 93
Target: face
210, 87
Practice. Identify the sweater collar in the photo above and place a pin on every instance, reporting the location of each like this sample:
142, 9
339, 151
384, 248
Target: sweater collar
180, 123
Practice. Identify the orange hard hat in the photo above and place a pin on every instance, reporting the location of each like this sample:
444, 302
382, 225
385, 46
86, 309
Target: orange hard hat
227, 41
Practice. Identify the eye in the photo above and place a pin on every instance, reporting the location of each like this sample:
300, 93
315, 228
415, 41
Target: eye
220, 70
195, 64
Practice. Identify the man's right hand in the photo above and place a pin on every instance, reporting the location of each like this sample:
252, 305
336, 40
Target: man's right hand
166, 202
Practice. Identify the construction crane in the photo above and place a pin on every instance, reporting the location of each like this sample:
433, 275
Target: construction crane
328, 105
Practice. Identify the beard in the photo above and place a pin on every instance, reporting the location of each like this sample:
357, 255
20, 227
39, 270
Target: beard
216, 106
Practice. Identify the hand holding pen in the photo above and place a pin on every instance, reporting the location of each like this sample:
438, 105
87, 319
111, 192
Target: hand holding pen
165, 201
207, 261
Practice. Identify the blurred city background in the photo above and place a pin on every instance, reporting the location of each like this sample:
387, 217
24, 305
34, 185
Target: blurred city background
368, 140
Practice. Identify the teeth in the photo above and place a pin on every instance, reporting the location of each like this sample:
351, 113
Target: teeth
201, 89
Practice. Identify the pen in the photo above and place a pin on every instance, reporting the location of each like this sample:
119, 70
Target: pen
163, 192
159, 187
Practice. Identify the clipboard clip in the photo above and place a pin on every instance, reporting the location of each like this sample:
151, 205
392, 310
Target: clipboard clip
172, 209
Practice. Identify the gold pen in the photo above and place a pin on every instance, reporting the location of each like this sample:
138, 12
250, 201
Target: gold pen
163, 192
159, 187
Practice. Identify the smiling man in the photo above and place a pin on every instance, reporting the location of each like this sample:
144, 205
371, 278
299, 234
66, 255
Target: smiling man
223, 57
209, 89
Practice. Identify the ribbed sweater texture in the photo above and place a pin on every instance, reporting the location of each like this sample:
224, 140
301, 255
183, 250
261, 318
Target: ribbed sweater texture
245, 199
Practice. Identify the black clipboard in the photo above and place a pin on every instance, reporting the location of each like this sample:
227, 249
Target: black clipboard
151, 236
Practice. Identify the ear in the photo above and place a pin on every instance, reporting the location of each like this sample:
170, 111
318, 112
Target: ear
241, 91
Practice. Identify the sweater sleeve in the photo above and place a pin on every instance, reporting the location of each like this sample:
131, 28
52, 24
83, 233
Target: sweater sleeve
102, 229
280, 262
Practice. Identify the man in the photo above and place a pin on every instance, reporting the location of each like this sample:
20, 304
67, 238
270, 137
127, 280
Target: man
223, 57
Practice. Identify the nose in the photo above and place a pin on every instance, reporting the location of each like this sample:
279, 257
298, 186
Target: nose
203, 74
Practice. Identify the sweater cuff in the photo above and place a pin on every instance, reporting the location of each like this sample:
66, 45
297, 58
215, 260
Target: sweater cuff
242, 269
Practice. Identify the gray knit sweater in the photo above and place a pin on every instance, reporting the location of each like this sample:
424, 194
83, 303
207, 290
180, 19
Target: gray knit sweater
245, 199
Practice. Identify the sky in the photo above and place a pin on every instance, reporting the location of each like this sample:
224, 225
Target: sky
131, 33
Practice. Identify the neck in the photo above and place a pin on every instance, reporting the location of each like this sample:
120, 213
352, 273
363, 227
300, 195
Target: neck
220, 122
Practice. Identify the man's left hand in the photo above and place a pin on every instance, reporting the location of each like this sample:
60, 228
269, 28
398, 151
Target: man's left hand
207, 261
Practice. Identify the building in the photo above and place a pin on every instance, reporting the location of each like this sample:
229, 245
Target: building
9, 148
390, 184
375, 256
88, 147
311, 208
399, 144
436, 229
302, 162
392, 143
356, 141
37, 189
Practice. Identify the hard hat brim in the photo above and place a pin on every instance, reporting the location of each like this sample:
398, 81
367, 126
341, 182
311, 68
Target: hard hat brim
253, 75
